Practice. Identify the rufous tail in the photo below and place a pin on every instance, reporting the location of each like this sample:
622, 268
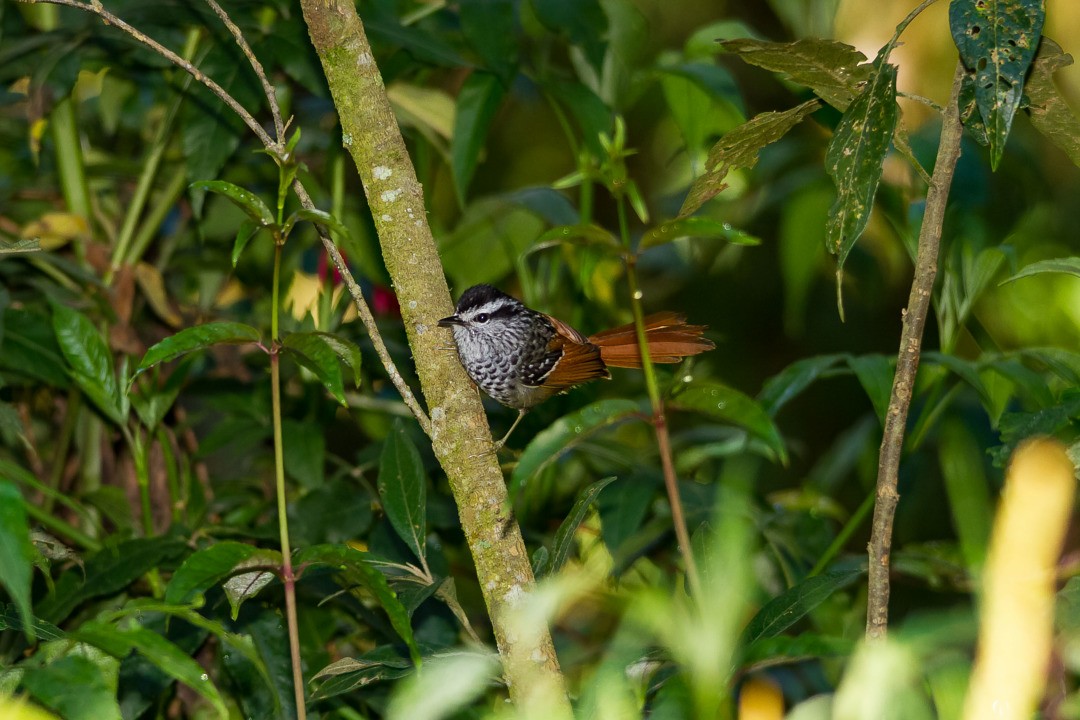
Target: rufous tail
670, 340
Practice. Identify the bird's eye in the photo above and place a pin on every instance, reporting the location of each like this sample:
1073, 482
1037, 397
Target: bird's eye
482, 318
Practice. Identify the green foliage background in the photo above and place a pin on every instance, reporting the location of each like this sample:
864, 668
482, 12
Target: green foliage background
147, 582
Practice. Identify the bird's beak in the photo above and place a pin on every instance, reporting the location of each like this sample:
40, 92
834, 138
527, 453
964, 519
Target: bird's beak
450, 321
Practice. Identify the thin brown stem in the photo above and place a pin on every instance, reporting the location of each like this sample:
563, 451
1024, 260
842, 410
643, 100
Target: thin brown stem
268, 89
907, 364
367, 318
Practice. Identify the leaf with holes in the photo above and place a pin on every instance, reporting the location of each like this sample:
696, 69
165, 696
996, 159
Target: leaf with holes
854, 160
833, 70
739, 149
997, 41
1050, 113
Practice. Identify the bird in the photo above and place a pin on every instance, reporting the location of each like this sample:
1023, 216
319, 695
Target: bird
521, 357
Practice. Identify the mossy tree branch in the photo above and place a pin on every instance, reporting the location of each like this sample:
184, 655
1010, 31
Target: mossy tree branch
907, 363
459, 431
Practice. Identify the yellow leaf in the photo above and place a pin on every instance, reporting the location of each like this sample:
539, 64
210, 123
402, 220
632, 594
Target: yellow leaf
152, 285
760, 699
56, 229
12, 709
423, 106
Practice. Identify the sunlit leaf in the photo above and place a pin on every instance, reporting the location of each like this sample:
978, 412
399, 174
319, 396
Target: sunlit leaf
403, 489
1069, 266
739, 149
564, 536
199, 337
1050, 112
728, 405
450, 682
997, 41
833, 70
566, 433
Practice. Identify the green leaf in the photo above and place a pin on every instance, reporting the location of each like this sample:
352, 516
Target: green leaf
699, 227
1050, 112
74, 687
162, 653
211, 133
16, 553
875, 373
587, 235
833, 70
199, 337
564, 536
403, 489
784, 649
997, 41
305, 452
90, 360
204, 569
583, 22
356, 569
792, 380
739, 149
10, 619
1069, 266
245, 585
108, 572
312, 351
249, 202
450, 683
789, 607
731, 406
243, 236
318, 217
490, 27
477, 102
967, 486
854, 161
566, 433
350, 673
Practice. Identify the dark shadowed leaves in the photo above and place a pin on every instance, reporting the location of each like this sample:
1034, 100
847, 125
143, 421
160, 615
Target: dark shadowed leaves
997, 41
728, 405
792, 380
75, 687
403, 489
312, 351
204, 569
476, 105
875, 373
90, 361
16, 553
696, 227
